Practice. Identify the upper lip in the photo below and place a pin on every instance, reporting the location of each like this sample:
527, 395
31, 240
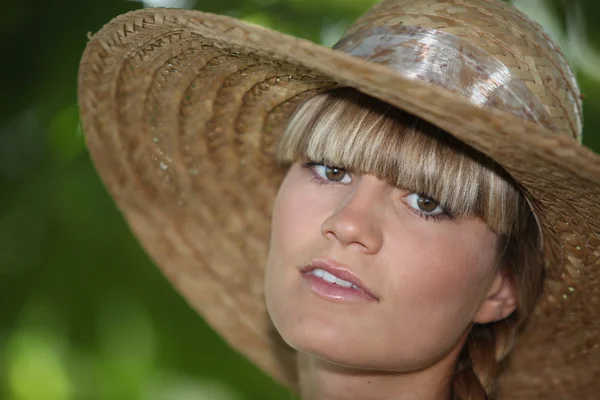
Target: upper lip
340, 271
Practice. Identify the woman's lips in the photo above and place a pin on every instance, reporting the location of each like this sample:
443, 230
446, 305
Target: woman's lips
322, 275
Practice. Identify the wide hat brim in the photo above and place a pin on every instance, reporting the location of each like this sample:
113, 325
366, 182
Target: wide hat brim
182, 111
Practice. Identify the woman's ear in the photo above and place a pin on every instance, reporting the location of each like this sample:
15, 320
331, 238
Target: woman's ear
500, 301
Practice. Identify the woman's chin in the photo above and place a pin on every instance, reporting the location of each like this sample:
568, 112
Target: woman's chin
352, 349
328, 343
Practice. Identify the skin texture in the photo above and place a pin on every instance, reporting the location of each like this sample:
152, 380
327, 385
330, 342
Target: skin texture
433, 278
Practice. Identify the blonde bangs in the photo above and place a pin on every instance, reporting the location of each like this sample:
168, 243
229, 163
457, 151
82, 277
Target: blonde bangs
349, 130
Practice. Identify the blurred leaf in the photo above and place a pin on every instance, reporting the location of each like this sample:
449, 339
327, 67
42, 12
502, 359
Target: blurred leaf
37, 358
66, 136
262, 19
175, 386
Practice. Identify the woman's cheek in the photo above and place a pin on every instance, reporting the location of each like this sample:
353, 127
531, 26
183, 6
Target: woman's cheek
442, 272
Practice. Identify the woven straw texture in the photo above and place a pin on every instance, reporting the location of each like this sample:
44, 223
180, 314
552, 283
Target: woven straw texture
182, 111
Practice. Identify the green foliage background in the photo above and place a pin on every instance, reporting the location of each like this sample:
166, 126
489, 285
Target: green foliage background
85, 314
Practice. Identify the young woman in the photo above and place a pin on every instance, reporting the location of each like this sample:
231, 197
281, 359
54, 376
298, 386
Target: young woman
415, 296
410, 204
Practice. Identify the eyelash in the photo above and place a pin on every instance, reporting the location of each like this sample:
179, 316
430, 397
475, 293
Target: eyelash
309, 165
435, 218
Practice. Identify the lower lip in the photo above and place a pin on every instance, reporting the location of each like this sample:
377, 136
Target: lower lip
334, 292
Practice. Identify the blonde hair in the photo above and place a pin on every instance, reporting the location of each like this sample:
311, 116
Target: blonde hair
347, 129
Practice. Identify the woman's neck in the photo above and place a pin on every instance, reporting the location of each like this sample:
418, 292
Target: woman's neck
321, 380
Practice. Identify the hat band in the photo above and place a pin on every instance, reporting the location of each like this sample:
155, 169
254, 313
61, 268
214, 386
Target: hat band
448, 61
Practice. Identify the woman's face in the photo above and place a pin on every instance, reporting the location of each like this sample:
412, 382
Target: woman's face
424, 277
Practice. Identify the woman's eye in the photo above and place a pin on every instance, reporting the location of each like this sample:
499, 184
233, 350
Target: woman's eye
332, 174
424, 204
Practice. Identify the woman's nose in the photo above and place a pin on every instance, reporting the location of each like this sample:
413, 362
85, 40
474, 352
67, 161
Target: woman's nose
356, 221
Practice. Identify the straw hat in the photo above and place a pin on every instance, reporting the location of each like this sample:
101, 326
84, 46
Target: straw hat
182, 111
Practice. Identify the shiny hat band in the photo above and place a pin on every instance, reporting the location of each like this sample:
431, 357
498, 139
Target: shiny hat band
448, 61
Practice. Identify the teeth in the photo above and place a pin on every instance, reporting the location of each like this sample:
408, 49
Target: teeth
319, 273
329, 278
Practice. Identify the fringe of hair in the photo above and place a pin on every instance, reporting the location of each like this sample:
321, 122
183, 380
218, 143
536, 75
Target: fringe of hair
349, 130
